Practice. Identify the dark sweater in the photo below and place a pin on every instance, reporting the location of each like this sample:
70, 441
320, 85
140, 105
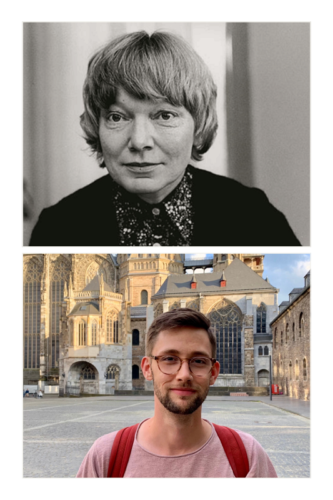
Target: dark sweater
225, 213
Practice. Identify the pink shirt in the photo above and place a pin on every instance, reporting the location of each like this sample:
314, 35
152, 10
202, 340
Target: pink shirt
208, 461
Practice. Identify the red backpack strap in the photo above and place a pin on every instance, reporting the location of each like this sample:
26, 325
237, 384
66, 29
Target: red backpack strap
121, 450
234, 449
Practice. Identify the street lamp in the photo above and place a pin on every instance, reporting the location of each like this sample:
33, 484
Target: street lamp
270, 376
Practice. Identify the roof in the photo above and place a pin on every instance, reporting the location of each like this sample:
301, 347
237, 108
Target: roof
94, 285
239, 277
285, 304
85, 309
296, 290
262, 337
139, 312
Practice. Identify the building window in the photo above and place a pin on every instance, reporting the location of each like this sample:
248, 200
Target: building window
135, 337
112, 328
88, 373
60, 271
111, 372
82, 331
296, 370
144, 297
94, 333
266, 352
281, 338
294, 332
261, 318
301, 325
135, 372
260, 351
290, 370
287, 333
275, 338
31, 314
226, 323
305, 373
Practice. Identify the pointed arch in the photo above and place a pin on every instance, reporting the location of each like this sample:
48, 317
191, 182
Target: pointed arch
32, 280
112, 328
261, 318
226, 323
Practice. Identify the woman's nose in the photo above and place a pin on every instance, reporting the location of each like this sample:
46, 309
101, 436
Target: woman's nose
141, 134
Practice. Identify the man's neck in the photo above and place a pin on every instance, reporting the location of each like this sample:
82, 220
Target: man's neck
171, 434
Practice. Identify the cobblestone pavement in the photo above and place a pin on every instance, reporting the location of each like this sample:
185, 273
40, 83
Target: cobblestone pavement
59, 432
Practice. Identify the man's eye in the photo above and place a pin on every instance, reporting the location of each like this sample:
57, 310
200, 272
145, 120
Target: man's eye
169, 359
200, 361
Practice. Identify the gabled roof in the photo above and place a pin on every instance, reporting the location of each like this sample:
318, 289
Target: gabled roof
239, 277
94, 285
85, 309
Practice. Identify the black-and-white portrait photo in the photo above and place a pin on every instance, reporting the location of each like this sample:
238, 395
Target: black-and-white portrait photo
166, 134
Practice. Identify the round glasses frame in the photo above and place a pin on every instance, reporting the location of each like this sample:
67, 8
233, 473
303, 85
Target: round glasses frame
157, 358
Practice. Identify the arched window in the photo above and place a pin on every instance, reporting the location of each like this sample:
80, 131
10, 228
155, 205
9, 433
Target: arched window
135, 337
301, 324
305, 372
281, 338
144, 297
94, 333
266, 351
82, 334
226, 323
31, 313
275, 338
135, 372
260, 351
287, 333
290, 370
294, 332
111, 372
88, 373
261, 318
296, 370
112, 328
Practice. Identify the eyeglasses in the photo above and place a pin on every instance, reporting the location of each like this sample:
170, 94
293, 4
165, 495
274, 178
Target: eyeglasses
198, 365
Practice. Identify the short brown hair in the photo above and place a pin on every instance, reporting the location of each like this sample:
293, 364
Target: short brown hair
157, 66
176, 319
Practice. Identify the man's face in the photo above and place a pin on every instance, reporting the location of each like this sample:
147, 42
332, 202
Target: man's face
182, 393
146, 145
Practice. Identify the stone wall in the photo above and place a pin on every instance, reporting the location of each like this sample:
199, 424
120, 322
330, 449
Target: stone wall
295, 347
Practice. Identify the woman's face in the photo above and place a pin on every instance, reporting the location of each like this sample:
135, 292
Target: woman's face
146, 145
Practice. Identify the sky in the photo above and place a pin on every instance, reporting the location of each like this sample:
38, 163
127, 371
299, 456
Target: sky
284, 271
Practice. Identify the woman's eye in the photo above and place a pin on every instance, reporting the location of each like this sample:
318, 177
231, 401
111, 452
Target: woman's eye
166, 116
114, 117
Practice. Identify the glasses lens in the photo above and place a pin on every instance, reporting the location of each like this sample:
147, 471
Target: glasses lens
169, 364
200, 366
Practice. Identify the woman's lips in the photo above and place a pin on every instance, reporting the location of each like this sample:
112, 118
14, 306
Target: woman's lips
141, 167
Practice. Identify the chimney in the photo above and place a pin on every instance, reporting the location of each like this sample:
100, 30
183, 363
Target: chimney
194, 281
223, 280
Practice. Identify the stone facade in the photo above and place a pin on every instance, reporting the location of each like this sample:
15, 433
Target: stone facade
291, 347
86, 317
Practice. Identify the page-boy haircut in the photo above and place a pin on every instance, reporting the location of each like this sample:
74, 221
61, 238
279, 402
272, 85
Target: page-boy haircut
157, 66
177, 318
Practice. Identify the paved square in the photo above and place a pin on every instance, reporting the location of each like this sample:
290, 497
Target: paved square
58, 432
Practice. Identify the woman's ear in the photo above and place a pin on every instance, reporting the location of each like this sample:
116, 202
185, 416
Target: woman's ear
146, 368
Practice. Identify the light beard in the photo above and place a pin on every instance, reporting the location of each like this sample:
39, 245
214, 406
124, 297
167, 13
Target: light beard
173, 407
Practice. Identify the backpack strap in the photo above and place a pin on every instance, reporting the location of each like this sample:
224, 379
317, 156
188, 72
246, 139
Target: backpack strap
234, 449
121, 450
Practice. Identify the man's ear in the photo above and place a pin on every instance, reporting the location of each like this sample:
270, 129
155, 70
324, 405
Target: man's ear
214, 373
146, 368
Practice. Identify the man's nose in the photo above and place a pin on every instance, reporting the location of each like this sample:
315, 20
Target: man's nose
141, 134
184, 371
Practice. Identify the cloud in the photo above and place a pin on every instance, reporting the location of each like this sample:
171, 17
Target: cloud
198, 256
301, 267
